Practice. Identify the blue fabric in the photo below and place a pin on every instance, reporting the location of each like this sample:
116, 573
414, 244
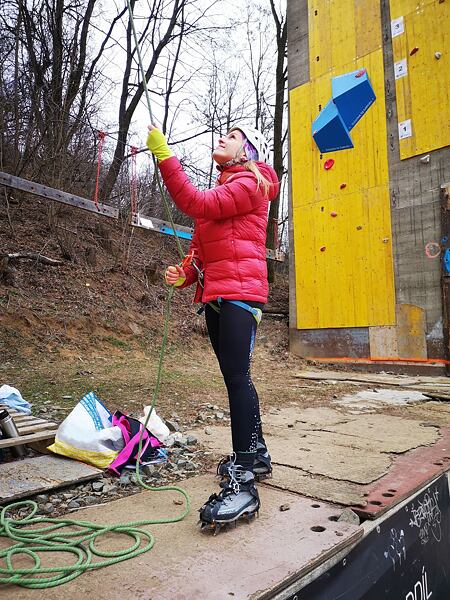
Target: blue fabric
12, 398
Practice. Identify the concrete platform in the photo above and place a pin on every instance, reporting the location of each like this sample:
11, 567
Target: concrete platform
250, 561
325, 460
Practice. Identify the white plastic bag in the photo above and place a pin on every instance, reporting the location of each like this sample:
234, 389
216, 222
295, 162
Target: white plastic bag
86, 434
156, 425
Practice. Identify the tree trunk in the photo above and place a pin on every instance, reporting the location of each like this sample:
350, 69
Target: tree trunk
280, 86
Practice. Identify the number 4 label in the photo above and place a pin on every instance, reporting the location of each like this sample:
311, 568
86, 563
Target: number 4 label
397, 27
400, 68
404, 129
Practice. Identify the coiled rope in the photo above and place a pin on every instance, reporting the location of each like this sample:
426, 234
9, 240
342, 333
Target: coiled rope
58, 536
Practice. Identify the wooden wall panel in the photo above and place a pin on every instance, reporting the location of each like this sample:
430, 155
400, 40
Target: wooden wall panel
423, 94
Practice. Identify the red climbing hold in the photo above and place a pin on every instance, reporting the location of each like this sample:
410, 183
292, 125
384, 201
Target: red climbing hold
343, 186
328, 164
333, 214
323, 248
414, 50
360, 73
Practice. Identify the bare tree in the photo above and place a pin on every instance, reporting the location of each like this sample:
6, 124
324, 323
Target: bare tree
278, 136
49, 82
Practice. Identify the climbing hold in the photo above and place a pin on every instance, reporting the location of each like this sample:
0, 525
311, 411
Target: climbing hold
353, 94
444, 239
437, 55
350, 100
359, 227
333, 214
328, 164
343, 186
425, 159
323, 248
385, 240
329, 130
414, 50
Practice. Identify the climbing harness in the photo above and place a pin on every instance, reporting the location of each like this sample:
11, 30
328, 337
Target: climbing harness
256, 312
31, 540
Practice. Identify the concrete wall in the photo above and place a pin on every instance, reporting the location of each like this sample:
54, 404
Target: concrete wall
414, 188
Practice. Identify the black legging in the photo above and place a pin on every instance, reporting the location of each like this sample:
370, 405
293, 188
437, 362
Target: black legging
232, 333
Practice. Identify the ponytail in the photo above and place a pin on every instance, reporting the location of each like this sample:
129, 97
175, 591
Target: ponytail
251, 166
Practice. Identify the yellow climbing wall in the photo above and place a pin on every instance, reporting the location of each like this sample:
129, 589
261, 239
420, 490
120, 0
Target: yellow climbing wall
421, 36
341, 216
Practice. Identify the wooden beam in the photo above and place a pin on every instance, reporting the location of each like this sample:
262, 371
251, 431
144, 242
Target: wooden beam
27, 439
52, 194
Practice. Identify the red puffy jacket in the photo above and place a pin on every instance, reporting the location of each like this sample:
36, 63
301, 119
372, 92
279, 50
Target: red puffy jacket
229, 239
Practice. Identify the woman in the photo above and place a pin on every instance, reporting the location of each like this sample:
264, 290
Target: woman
229, 267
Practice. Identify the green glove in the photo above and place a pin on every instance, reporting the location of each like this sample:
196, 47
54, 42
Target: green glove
156, 143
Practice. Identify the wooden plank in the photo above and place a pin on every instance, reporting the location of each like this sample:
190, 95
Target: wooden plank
40, 474
52, 194
26, 419
26, 439
37, 427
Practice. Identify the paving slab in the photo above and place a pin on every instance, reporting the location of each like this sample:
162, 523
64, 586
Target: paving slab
354, 448
315, 486
249, 561
409, 472
23, 478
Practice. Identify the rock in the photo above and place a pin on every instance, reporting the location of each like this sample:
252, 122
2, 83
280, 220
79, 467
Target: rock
56, 501
98, 486
157, 475
148, 470
191, 439
172, 425
178, 502
48, 508
42, 498
290, 425
208, 430
190, 466
182, 462
125, 478
89, 500
348, 516
181, 441
109, 489
67, 495
284, 507
73, 504
219, 414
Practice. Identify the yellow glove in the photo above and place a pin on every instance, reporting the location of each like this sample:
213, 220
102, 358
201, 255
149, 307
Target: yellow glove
175, 276
156, 143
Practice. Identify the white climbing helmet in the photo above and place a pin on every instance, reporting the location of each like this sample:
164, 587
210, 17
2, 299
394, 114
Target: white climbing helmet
256, 139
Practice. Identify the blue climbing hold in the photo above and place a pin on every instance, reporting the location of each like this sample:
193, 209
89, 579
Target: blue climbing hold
446, 261
352, 94
329, 130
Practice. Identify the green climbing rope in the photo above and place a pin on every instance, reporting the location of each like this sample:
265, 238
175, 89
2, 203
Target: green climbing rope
58, 536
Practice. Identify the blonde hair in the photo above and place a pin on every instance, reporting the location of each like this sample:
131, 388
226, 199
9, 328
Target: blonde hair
251, 166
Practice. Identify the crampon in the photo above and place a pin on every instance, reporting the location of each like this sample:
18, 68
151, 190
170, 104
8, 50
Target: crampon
238, 499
